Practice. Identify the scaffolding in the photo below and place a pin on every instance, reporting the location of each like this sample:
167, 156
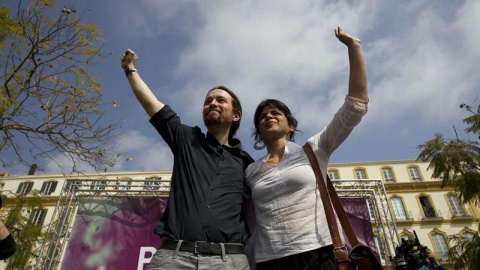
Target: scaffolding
73, 190
383, 222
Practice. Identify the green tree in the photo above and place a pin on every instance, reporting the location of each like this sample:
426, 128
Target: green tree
23, 218
7, 26
50, 103
465, 253
457, 162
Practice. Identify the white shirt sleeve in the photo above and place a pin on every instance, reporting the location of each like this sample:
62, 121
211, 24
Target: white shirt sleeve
337, 130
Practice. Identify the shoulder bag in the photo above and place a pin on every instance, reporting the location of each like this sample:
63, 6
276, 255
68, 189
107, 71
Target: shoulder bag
360, 257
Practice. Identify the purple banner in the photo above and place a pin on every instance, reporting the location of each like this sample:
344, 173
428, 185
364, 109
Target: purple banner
357, 212
114, 233
117, 232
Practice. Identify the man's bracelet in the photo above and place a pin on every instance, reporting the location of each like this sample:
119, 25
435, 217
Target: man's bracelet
129, 70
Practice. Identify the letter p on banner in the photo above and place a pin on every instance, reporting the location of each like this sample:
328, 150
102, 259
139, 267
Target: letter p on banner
142, 259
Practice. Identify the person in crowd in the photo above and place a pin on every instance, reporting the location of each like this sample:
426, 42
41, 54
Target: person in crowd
416, 257
8, 246
203, 226
433, 263
291, 227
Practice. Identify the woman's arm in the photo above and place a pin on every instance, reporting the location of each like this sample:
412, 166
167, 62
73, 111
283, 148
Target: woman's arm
357, 86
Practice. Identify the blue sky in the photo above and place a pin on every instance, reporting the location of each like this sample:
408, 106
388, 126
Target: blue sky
422, 59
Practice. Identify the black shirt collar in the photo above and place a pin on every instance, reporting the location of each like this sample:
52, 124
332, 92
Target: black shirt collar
233, 142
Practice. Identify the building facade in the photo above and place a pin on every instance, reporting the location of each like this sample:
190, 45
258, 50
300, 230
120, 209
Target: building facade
418, 202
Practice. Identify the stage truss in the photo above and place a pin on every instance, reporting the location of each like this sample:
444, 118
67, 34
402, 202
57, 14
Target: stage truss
60, 227
383, 222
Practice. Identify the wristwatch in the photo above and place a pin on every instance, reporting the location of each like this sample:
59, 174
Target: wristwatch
129, 70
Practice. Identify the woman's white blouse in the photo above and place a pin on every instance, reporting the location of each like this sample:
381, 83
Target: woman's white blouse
289, 214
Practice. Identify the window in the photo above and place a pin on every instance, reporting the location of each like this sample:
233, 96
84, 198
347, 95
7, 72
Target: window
388, 175
427, 207
414, 174
49, 187
360, 174
398, 208
37, 217
25, 188
457, 209
153, 183
333, 174
440, 244
2, 185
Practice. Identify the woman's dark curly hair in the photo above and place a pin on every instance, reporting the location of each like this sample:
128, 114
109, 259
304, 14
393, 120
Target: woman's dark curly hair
273, 103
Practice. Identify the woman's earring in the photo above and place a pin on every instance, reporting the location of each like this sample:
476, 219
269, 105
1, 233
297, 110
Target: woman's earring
259, 145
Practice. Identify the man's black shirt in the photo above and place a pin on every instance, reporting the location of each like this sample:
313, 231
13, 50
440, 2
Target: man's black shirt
207, 185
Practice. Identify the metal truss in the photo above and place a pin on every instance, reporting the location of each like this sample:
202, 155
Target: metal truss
73, 190
383, 222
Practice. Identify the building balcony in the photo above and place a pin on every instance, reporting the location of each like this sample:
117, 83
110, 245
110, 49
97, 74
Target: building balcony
431, 214
464, 216
407, 218
442, 257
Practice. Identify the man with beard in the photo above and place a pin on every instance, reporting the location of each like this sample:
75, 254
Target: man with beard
203, 226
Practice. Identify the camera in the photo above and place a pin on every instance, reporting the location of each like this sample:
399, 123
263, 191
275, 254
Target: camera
406, 257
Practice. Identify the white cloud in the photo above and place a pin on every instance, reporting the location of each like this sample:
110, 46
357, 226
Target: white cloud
146, 153
149, 18
427, 70
271, 49
468, 22
422, 58
61, 164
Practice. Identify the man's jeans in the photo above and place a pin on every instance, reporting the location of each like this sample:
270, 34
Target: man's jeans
164, 260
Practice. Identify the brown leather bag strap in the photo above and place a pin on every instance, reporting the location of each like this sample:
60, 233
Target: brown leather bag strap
330, 198
342, 216
327, 205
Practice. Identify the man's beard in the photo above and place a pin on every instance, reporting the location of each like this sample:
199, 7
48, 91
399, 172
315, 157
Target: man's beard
212, 119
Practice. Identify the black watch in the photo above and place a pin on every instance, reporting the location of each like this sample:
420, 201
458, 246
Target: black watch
129, 70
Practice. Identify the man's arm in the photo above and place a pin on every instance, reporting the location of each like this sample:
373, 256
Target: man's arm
431, 257
357, 86
142, 92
